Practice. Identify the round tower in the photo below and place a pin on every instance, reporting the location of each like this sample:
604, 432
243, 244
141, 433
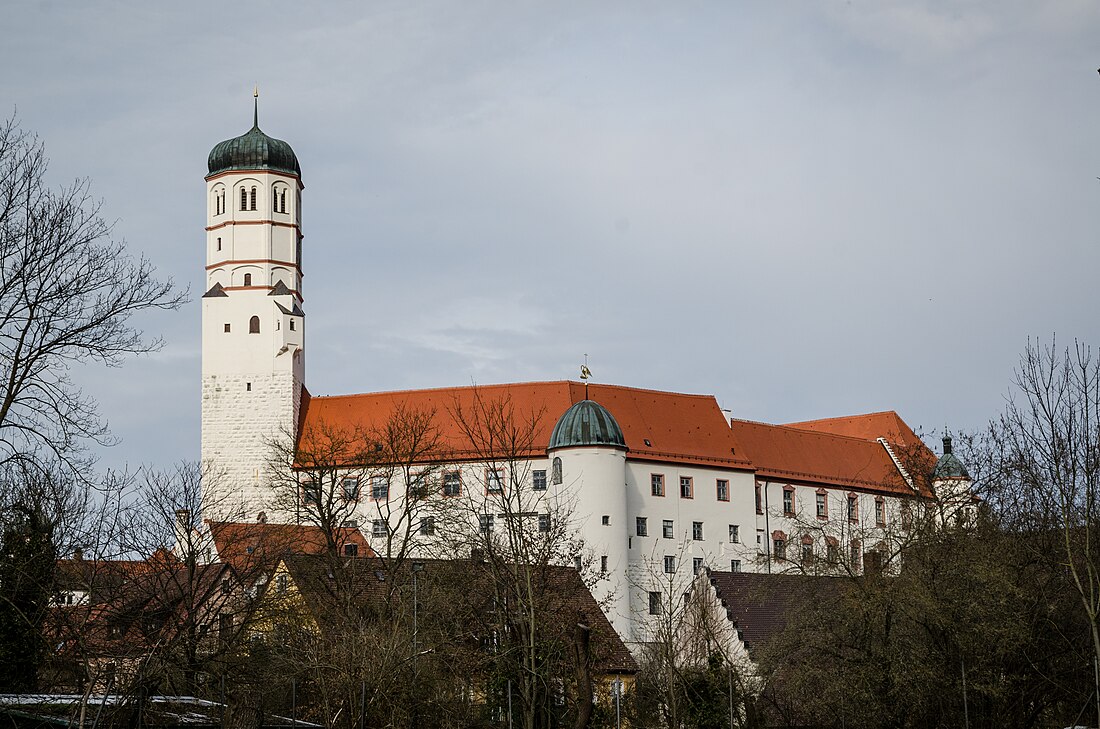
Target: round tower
592, 450
253, 326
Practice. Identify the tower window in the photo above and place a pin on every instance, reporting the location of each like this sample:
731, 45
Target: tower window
252, 200
254, 325
248, 387
248, 279
555, 471
244, 199
219, 244
291, 325
227, 327
282, 201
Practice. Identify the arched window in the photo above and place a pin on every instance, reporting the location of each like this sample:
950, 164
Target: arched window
274, 199
221, 201
244, 199
282, 200
556, 468
248, 279
254, 325
253, 200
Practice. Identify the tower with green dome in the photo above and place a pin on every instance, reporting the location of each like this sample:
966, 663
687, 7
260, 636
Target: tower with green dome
253, 325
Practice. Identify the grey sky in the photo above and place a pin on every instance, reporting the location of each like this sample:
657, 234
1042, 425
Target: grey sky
807, 210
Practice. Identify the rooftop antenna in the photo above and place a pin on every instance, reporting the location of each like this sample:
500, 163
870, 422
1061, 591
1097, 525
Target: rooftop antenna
586, 374
256, 106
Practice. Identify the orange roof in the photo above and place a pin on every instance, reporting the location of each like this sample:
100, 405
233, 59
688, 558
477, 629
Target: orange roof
657, 426
790, 453
871, 426
251, 546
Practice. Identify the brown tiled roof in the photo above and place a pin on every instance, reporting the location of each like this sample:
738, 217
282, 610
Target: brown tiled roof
251, 546
567, 600
760, 605
679, 428
794, 454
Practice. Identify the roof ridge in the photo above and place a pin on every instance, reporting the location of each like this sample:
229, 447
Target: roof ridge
498, 385
842, 417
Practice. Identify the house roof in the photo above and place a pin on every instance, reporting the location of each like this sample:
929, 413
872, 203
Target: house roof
251, 546
565, 597
760, 605
870, 426
798, 454
656, 426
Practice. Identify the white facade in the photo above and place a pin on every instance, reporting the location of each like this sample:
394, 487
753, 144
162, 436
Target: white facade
253, 334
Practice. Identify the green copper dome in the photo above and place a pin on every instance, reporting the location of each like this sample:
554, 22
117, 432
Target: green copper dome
253, 150
949, 466
586, 423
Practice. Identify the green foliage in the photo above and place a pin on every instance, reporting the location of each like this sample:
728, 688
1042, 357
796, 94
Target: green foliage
27, 563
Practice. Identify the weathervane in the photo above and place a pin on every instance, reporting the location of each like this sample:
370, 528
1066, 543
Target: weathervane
256, 106
586, 374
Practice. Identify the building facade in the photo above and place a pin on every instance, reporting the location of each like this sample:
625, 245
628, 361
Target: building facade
641, 489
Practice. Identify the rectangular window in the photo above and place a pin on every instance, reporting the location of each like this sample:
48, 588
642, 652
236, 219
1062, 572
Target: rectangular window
227, 328
735, 534
779, 548
880, 512
723, 488
666, 529
855, 556
696, 565
281, 584
544, 523
759, 503
654, 603
603, 563
427, 526
641, 526
351, 488
494, 480
822, 506
807, 553
378, 528
670, 564
832, 553
735, 565
485, 523
697, 531
351, 550
379, 488
853, 507
788, 501
606, 520
578, 564
311, 493
538, 480
687, 489
657, 484
452, 483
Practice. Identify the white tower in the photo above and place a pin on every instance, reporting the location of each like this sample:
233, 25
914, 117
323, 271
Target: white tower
253, 327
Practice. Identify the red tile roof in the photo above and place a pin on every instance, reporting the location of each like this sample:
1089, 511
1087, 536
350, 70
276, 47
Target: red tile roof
251, 546
679, 428
871, 426
793, 454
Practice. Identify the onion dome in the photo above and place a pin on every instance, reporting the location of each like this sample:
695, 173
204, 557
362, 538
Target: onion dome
949, 466
253, 150
586, 423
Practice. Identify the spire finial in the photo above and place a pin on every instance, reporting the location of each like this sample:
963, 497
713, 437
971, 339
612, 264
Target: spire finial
256, 106
586, 374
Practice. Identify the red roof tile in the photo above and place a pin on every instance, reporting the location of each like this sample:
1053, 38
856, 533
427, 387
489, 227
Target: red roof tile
679, 428
251, 546
789, 453
871, 426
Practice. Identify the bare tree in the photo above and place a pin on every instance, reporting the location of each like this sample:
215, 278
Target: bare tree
1044, 467
67, 294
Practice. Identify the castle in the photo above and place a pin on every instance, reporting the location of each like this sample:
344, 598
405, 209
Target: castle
658, 484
